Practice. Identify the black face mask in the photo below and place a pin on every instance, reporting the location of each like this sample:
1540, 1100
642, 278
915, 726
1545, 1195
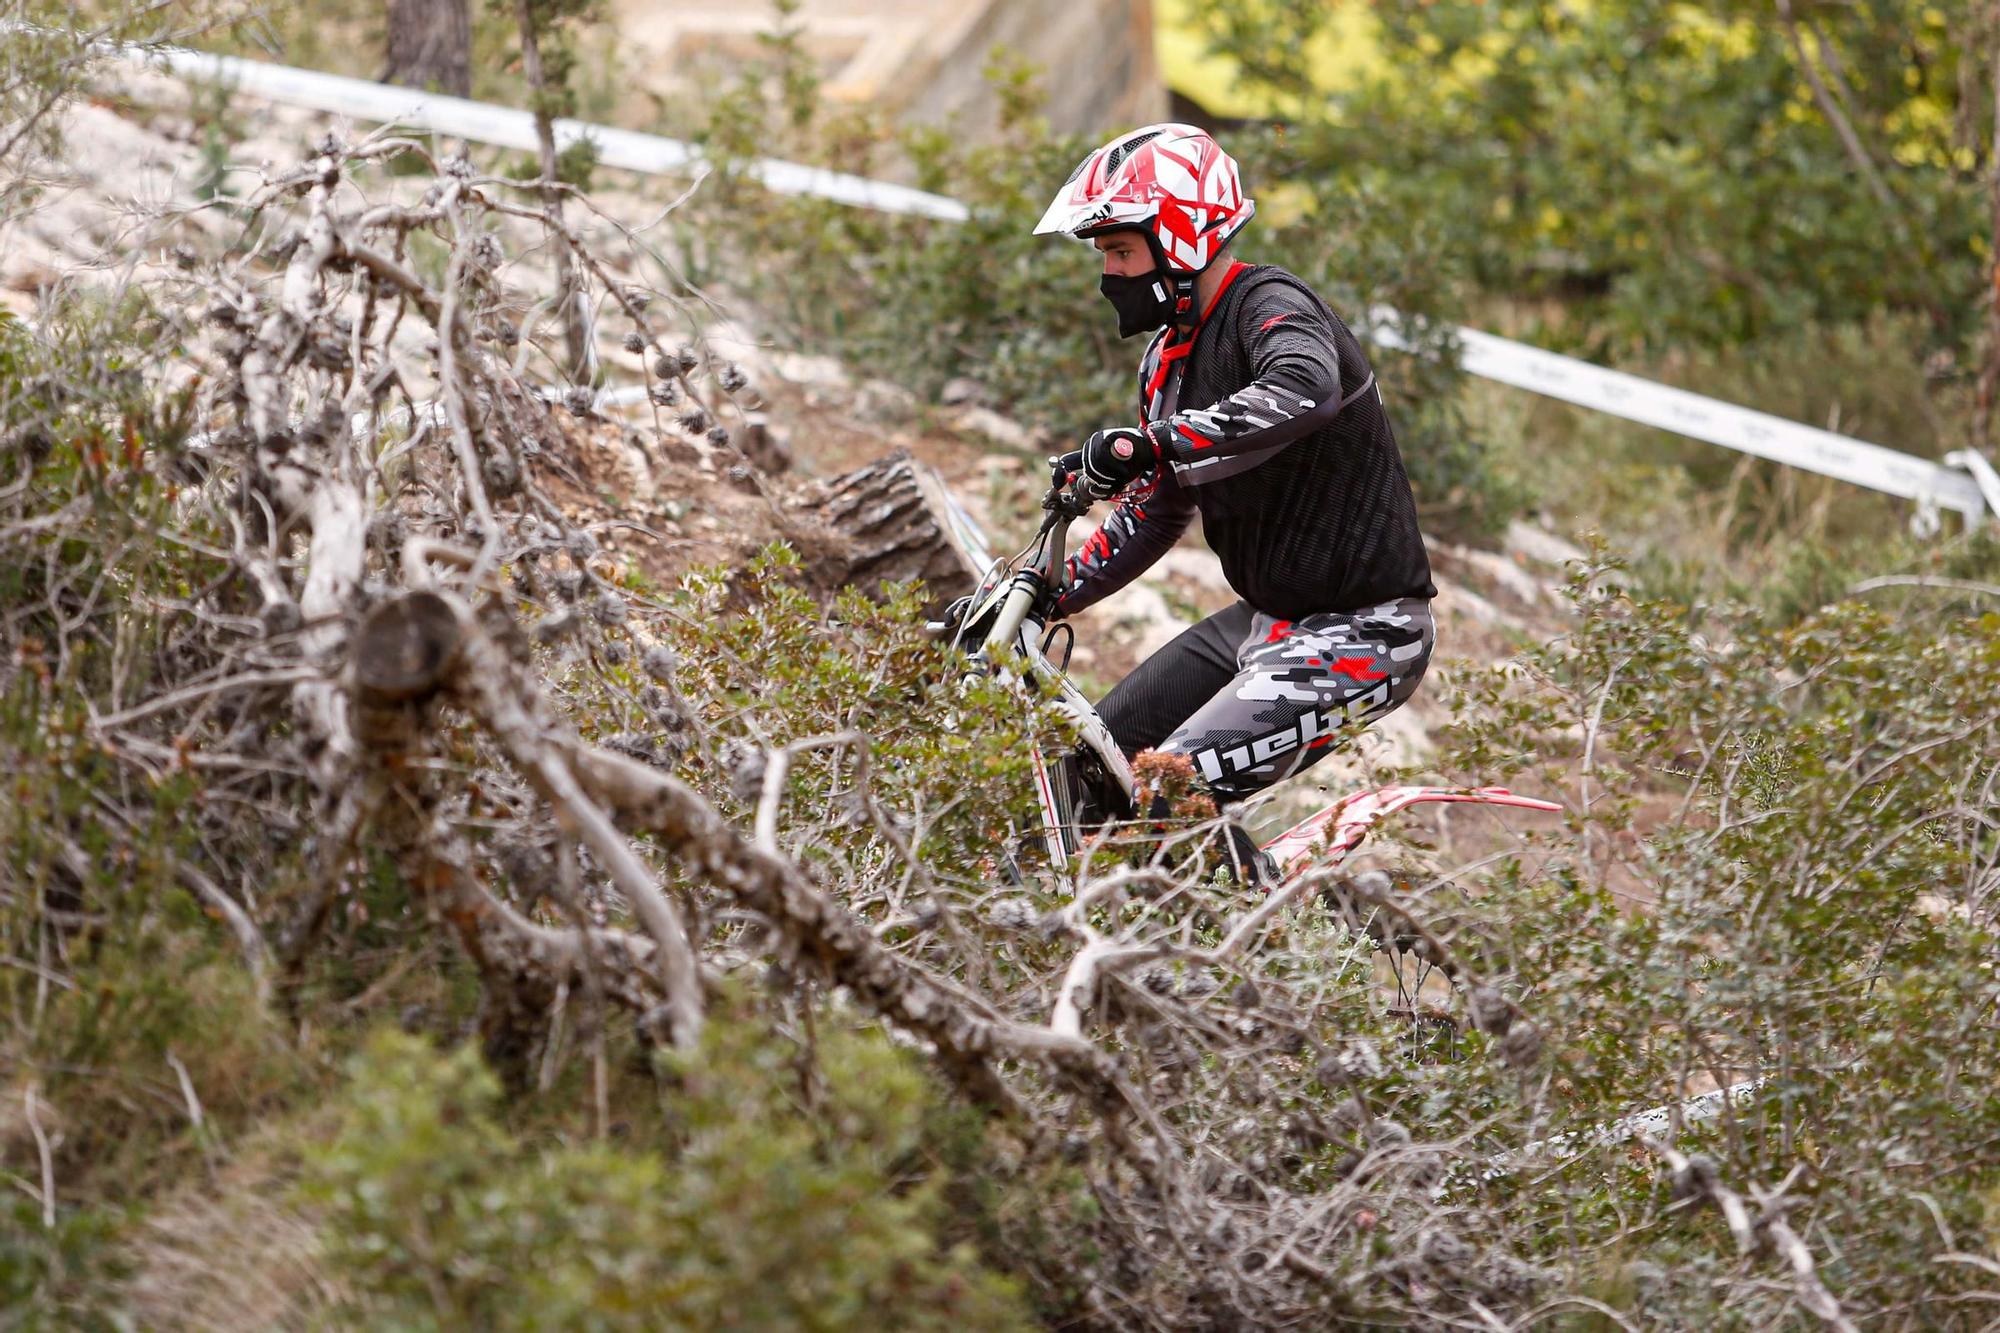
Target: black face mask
1143, 303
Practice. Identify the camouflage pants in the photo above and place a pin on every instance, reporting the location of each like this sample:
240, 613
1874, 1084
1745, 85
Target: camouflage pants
1252, 699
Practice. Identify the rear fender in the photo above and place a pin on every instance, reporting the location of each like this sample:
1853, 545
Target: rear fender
1326, 838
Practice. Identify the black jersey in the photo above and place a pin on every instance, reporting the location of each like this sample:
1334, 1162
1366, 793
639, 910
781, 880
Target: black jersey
1280, 441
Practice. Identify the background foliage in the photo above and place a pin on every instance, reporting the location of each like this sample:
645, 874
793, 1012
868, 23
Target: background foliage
1786, 208
1673, 174
921, 303
755, 1216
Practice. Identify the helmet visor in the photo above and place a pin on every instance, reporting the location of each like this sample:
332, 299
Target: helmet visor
1080, 221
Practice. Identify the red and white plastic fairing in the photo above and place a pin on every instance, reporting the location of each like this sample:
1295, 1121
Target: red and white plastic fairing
1170, 181
1339, 829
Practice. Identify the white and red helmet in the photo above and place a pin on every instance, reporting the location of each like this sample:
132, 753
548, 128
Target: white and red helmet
1172, 182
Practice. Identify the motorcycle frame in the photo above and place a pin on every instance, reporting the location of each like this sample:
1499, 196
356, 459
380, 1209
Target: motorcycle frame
1015, 642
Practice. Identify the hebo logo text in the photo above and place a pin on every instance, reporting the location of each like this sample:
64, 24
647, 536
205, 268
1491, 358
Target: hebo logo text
1313, 728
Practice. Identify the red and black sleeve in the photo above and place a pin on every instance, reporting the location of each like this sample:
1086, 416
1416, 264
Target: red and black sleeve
1150, 517
1288, 341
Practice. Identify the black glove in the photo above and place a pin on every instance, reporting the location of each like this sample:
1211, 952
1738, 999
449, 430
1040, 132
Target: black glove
1108, 460
1046, 608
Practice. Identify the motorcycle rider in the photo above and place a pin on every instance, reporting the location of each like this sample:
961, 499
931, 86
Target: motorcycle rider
1260, 414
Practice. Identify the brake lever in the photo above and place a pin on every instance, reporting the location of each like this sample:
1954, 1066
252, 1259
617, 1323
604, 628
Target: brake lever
1073, 502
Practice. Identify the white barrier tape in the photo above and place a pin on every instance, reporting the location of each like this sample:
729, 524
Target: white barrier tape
506, 127
1658, 1122
1502, 360
1743, 429
1982, 474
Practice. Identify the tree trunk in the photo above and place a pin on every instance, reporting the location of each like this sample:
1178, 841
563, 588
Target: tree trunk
897, 522
1989, 373
430, 45
571, 299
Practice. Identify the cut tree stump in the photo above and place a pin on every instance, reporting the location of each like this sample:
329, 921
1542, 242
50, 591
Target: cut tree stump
895, 520
405, 648
404, 651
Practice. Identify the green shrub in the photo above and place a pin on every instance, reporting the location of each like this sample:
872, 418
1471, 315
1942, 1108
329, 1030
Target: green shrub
765, 1214
130, 972
61, 1277
1775, 866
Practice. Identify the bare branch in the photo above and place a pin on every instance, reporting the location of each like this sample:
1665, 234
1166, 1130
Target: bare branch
1857, 152
1924, 581
1695, 1180
256, 956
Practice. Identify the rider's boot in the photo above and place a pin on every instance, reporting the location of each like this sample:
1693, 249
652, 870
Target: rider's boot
1170, 789
1253, 867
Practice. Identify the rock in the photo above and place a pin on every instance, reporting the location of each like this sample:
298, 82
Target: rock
735, 342
999, 428
804, 369
962, 390
1464, 601
1538, 544
1498, 573
884, 403
1141, 615
894, 522
1939, 908
1195, 564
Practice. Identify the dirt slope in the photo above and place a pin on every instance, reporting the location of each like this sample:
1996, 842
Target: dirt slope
129, 184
